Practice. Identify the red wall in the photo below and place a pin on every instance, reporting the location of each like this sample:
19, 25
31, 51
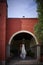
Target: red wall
28, 24
2, 30
13, 25
17, 24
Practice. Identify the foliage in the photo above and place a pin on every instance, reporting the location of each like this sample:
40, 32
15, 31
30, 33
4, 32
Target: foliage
30, 53
39, 31
39, 27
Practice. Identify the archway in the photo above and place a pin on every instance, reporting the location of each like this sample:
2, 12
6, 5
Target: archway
22, 32
29, 38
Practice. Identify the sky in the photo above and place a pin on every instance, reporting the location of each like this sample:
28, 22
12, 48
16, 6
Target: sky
20, 8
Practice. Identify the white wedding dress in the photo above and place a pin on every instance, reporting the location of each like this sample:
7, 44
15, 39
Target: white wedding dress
23, 52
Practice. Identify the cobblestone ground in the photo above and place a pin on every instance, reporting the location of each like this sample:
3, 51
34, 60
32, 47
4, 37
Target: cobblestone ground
18, 61
26, 62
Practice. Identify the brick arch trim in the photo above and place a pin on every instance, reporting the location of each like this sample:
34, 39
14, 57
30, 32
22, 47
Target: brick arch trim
21, 32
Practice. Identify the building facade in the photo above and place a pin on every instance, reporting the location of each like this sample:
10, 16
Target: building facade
10, 27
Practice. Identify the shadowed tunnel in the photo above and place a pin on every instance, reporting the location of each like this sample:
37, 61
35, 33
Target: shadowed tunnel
18, 40
20, 36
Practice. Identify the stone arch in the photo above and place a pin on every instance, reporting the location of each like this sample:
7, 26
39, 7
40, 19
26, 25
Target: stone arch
8, 48
24, 32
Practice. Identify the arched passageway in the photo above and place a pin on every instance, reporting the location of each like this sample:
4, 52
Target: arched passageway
28, 39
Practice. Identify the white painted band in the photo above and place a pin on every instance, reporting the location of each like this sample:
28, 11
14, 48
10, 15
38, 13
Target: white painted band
22, 32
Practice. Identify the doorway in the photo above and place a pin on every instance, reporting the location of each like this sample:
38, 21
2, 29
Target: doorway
31, 45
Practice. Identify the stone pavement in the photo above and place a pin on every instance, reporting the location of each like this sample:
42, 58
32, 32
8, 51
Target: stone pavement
22, 62
26, 62
18, 61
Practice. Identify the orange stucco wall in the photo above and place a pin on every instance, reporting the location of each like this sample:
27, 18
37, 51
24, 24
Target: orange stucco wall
2, 30
9, 26
17, 24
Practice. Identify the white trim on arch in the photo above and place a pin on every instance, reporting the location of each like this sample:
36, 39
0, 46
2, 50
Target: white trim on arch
38, 48
24, 32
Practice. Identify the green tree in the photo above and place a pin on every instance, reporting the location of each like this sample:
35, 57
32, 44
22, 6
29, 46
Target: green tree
39, 26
